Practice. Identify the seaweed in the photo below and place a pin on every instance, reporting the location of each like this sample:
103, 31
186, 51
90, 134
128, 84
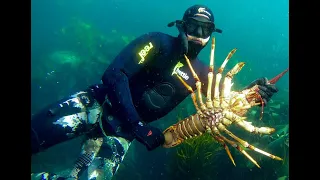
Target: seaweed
194, 158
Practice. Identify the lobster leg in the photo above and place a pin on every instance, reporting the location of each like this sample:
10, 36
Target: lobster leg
226, 88
236, 145
238, 104
210, 75
245, 124
246, 144
216, 101
217, 136
252, 129
198, 84
193, 95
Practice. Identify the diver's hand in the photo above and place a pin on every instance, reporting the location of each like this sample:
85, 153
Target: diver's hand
149, 136
266, 90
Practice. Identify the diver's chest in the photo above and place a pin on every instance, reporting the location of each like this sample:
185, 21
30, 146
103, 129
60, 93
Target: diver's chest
166, 87
174, 72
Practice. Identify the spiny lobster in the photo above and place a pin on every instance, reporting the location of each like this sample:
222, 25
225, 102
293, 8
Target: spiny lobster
215, 115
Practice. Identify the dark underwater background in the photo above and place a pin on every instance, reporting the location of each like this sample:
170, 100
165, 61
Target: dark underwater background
74, 41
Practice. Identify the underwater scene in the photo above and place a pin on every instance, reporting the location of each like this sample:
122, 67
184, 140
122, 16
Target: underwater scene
73, 43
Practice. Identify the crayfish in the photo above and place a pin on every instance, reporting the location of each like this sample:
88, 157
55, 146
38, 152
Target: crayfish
226, 107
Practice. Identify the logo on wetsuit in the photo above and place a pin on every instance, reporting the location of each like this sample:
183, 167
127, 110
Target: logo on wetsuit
144, 52
203, 10
176, 70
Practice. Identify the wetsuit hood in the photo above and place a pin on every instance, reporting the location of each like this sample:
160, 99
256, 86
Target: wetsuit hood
187, 47
198, 13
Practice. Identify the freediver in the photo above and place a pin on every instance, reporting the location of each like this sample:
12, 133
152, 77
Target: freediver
137, 88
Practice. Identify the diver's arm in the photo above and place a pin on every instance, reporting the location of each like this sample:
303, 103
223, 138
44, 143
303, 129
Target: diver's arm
139, 54
120, 96
136, 56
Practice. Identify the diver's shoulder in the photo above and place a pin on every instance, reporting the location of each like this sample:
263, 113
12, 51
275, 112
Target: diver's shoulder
159, 35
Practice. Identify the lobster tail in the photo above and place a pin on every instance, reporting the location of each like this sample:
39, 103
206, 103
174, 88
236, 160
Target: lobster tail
189, 127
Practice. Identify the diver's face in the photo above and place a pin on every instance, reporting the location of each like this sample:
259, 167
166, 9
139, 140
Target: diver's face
199, 32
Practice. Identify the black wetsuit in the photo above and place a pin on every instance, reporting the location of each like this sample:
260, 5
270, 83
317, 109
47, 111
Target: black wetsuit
140, 85
151, 85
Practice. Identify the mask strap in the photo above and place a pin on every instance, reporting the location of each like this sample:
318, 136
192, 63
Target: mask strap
182, 34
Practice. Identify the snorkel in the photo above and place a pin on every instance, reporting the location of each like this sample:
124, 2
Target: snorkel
196, 18
186, 38
182, 34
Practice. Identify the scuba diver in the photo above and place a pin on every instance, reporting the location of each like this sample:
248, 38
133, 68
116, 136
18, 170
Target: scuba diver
137, 88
